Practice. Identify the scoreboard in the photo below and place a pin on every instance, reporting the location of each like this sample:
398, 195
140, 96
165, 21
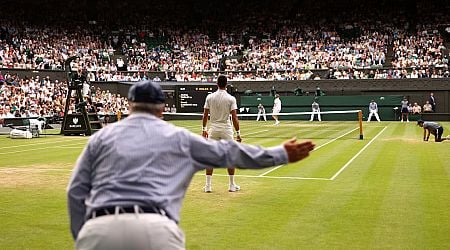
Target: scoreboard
191, 98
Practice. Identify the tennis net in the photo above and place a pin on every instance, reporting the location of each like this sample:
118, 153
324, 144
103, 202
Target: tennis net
322, 120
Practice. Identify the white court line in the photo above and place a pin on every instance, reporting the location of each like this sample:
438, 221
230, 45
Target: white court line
357, 154
246, 176
277, 167
40, 143
274, 177
82, 146
257, 132
33, 169
222, 175
271, 170
335, 139
35, 149
192, 126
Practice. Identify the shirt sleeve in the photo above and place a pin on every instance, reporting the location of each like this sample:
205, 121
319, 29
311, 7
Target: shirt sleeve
206, 106
78, 190
233, 104
229, 153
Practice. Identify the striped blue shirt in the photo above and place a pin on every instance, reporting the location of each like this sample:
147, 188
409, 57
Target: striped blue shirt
143, 160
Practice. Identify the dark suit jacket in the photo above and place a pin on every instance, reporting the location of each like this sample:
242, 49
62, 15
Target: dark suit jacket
432, 101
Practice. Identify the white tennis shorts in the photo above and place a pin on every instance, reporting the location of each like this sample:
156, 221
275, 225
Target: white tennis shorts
220, 133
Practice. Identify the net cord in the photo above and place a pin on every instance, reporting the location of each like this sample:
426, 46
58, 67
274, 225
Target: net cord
280, 114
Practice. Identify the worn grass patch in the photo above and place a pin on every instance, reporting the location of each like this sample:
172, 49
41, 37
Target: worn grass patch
36, 176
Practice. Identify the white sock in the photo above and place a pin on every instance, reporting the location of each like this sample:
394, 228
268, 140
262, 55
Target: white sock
208, 180
231, 179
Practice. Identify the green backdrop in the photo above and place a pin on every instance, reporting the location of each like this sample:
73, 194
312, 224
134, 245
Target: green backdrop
386, 105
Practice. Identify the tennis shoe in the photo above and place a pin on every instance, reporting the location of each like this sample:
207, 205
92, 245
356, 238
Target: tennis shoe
207, 189
234, 188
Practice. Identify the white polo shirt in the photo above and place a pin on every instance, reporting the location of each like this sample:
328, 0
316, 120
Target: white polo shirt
220, 104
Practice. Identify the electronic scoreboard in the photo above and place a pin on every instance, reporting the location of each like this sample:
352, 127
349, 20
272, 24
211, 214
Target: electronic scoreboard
191, 98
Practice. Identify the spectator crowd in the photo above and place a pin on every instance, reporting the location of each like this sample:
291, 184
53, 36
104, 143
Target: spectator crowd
45, 97
261, 43
198, 40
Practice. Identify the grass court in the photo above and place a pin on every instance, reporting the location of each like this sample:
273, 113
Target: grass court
390, 190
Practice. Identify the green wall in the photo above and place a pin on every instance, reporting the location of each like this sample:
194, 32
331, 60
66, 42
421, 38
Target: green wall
386, 105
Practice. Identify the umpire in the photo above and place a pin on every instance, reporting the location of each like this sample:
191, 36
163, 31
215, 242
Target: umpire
128, 184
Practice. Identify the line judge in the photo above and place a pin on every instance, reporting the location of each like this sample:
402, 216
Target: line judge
129, 182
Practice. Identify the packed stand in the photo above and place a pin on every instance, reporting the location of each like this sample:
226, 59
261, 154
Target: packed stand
261, 41
43, 97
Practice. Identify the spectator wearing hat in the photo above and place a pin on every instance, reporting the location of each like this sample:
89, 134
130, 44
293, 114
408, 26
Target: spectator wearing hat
128, 184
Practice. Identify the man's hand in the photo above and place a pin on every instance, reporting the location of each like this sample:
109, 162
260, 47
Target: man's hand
205, 134
297, 151
238, 138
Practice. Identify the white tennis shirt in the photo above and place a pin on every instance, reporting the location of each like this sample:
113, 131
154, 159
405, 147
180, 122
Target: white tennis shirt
220, 104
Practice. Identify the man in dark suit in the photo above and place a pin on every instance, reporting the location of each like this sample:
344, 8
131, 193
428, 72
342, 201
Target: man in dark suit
432, 101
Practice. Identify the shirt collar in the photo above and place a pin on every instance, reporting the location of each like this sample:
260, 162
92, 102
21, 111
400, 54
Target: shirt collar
142, 114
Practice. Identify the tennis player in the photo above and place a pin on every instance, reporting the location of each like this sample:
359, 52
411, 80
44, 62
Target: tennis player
276, 108
220, 105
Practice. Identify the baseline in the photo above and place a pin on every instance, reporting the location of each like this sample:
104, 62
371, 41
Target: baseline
272, 177
41, 148
40, 143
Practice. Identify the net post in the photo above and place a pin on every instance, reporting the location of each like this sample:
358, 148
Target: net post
361, 136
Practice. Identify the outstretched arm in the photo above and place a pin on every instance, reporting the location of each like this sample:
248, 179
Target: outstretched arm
226, 153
